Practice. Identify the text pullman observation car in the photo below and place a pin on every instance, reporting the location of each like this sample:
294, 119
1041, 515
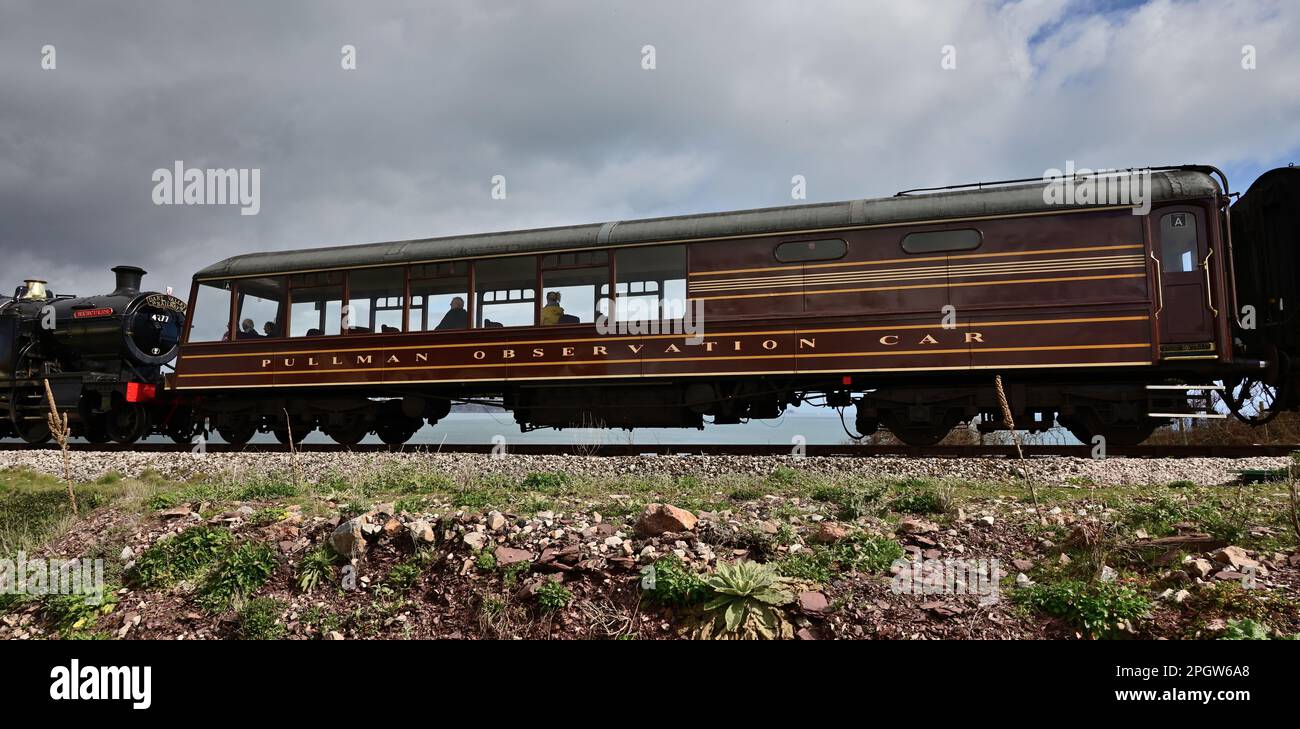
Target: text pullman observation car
905, 307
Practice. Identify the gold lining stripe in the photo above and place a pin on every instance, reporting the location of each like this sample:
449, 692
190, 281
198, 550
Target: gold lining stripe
883, 277
921, 259
922, 286
681, 374
769, 333
1010, 265
727, 358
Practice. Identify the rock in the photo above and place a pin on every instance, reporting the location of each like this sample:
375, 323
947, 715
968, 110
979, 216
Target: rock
769, 527
1064, 558
1023, 565
475, 540
986, 520
496, 521
126, 555
334, 635
245, 510
1228, 575
392, 527
829, 533
421, 532
1198, 567
179, 512
805, 634
349, 540
813, 602
912, 525
1108, 573
660, 518
1235, 557
1022, 580
507, 556
1181, 596
613, 542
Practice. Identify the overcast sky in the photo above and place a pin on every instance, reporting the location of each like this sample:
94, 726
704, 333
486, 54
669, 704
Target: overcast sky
553, 96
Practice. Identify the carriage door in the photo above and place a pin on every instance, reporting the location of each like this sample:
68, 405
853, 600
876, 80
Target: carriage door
1180, 245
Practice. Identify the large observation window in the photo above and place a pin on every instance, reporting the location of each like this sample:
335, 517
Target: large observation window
651, 283
261, 308
376, 298
800, 251
506, 292
317, 304
210, 318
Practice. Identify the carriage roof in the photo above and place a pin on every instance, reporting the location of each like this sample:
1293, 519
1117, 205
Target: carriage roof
993, 199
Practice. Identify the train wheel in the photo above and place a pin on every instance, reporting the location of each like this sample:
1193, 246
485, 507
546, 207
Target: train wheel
916, 433
297, 428
348, 434
95, 430
1253, 401
237, 434
1085, 428
182, 431
397, 431
127, 423
35, 432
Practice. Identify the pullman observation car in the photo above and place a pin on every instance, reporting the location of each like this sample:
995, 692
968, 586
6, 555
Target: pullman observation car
1101, 317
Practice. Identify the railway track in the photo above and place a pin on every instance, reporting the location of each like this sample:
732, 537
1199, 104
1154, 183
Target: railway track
841, 451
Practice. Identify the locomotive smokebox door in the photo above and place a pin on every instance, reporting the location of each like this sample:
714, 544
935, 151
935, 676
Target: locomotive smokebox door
1180, 246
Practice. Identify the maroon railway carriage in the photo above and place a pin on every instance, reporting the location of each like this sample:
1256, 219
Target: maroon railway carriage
1099, 316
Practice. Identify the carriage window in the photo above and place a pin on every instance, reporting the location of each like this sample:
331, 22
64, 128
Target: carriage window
506, 291
261, 306
798, 251
376, 297
317, 304
651, 283
439, 294
1178, 248
576, 287
210, 320
942, 241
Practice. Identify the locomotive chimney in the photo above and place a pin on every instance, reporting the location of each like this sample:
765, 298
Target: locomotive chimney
128, 280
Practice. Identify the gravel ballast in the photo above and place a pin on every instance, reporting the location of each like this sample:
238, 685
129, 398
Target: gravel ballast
1059, 471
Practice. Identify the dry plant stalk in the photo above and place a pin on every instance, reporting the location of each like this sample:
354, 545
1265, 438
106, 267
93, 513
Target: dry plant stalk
61, 431
1295, 502
293, 452
1010, 424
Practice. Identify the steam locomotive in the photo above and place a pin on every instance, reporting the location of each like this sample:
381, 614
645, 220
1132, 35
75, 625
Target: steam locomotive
102, 357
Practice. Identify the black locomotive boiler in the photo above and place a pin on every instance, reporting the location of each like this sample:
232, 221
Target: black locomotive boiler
103, 357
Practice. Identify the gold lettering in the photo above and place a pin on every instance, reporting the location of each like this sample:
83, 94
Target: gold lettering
539, 353
365, 359
769, 344
311, 362
288, 362
974, 337
708, 346
480, 354
335, 360
735, 346
566, 352
421, 356
927, 339
392, 359
636, 348
599, 352
889, 340
266, 363
809, 343
672, 348
507, 354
